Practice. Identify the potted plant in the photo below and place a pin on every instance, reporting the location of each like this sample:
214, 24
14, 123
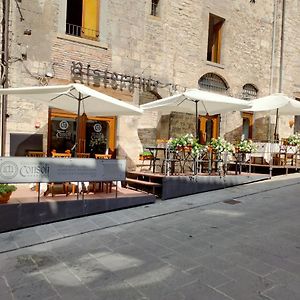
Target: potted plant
245, 146
293, 140
184, 142
219, 145
145, 155
5, 191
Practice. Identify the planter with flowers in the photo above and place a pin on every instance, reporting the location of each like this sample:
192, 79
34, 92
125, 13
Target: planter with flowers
186, 143
293, 140
219, 145
146, 155
245, 146
6, 191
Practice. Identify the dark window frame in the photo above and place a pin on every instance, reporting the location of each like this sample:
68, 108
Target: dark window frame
214, 43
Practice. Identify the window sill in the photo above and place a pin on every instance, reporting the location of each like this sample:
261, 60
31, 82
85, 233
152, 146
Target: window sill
213, 64
84, 41
154, 18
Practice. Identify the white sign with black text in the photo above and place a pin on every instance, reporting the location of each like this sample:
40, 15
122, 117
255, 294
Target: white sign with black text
48, 169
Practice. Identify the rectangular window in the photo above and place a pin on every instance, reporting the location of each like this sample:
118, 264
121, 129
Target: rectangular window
83, 18
214, 38
154, 7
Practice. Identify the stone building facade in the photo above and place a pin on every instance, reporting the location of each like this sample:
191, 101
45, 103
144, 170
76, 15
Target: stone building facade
171, 47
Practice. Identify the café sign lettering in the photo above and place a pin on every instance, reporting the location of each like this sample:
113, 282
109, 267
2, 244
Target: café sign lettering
114, 80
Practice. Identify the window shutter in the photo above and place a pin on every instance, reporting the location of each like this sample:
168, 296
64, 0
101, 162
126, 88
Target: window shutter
90, 19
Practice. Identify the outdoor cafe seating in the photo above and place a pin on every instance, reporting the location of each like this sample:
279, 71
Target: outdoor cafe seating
73, 187
183, 160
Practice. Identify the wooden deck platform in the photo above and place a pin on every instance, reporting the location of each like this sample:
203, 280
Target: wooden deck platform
167, 187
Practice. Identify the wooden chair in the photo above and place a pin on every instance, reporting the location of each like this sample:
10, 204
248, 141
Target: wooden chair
83, 155
103, 184
79, 155
36, 154
51, 186
62, 155
103, 156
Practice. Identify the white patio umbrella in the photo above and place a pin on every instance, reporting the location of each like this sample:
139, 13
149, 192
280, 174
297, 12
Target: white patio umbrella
75, 98
198, 102
276, 104
284, 104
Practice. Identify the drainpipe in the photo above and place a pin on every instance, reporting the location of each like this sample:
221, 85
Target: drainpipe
281, 63
272, 61
4, 71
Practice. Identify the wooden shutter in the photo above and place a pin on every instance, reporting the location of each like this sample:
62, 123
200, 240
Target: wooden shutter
90, 19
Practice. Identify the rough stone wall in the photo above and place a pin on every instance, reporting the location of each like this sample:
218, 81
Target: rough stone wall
181, 124
29, 62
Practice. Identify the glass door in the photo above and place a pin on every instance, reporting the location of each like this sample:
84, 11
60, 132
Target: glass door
63, 134
97, 137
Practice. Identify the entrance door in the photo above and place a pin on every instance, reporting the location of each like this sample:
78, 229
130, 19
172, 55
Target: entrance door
97, 137
96, 134
209, 128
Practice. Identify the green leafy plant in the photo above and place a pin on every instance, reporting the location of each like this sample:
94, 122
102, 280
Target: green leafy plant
6, 188
220, 145
294, 139
246, 146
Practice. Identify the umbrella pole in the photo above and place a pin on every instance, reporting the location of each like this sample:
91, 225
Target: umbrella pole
77, 135
276, 126
77, 124
197, 122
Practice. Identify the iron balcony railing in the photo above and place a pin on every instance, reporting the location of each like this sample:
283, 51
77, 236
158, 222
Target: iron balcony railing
80, 31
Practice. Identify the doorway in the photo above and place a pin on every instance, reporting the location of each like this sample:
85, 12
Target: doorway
96, 134
209, 128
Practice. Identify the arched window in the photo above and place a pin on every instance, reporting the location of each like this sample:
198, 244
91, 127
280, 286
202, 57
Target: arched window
213, 82
249, 91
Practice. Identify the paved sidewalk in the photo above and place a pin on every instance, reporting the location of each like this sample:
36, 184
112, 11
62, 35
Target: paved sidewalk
194, 247
50, 232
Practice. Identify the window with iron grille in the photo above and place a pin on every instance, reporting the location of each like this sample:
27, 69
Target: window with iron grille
154, 7
212, 82
83, 18
249, 92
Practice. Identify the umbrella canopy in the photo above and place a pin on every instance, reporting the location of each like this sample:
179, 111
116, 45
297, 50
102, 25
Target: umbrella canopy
75, 98
197, 102
207, 103
284, 104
